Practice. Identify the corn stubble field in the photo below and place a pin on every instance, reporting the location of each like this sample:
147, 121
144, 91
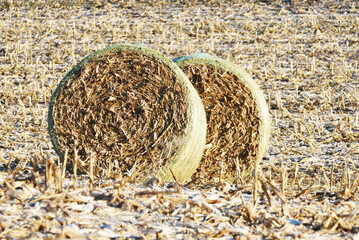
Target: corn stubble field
304, 55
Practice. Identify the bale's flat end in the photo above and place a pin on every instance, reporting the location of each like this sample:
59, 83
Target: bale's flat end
128, 109
237, 115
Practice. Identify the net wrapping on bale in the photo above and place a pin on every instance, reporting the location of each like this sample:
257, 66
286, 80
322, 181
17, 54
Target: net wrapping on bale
127, 107
237, 116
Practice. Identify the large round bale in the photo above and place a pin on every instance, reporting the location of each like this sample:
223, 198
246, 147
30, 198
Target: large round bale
127, 107
237, 115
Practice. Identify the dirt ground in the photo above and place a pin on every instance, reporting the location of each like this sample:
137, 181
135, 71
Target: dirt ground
303, 54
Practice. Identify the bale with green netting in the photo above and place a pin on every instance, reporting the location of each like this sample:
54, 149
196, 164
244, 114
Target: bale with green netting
237, 116
127, 107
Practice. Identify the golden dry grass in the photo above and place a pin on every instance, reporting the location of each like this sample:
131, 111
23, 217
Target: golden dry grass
303, 54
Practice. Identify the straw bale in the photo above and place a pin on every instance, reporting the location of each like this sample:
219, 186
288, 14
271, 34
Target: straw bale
125, 108
237, 115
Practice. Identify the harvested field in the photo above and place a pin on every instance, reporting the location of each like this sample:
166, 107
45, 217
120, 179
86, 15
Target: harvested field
304, 55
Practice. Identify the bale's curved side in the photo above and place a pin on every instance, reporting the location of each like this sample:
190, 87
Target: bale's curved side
187, 144
243, 78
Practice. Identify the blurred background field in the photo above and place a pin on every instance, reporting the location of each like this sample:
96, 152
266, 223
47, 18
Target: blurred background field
303, 54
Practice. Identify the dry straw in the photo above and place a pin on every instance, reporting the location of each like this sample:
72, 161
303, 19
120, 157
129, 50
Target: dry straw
237, 115
127, 109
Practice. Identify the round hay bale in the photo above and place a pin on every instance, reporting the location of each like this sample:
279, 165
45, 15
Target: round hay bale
127, 107
237, 115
